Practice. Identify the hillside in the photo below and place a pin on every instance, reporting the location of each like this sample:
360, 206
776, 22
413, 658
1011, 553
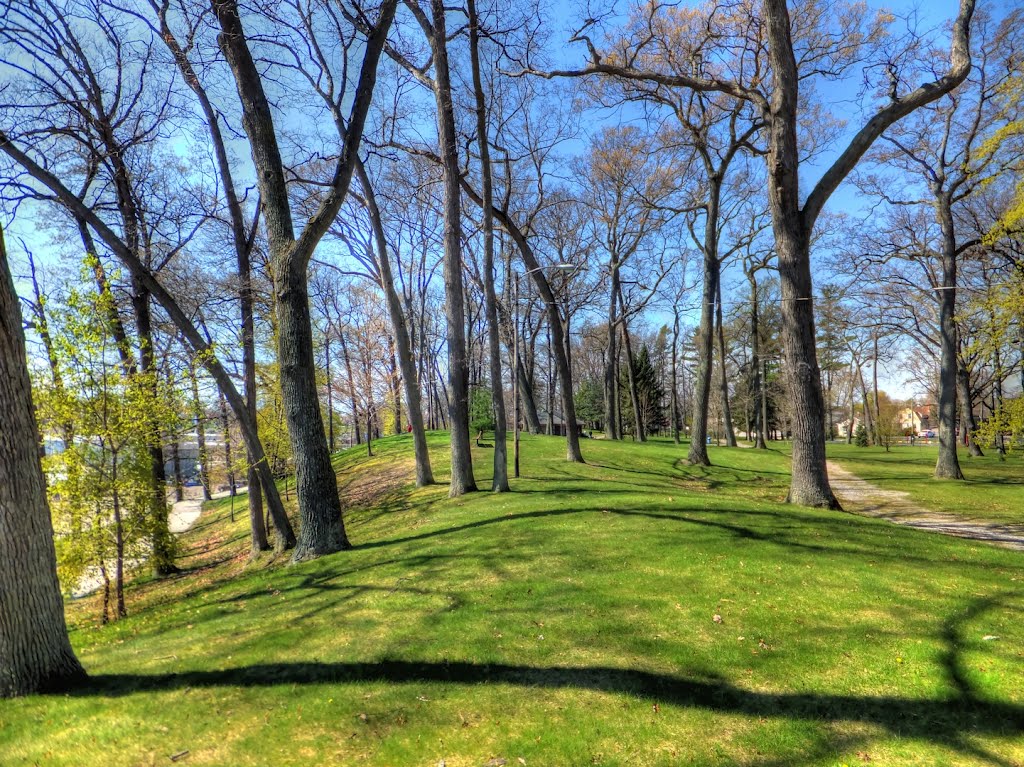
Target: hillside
630, 611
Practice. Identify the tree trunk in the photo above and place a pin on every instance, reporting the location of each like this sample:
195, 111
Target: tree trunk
243, 244
698, 453
849, 430
500, 481
351, 388
119, 610
869, 426
967, 419
403, 344
330, 390
947, 466
730, 432
526, 399
875, 402
179, 481
162, 542
34, 646
225, 429
369, 432
551, 387
105, 609
462, 480
396, 384
809, 481
764, 400
322, 530
755, 363
639, 432
611, 358
200, 416
675, 383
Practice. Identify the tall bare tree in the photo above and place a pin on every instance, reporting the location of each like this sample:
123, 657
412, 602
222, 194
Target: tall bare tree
792, 55
322, 530
941, 149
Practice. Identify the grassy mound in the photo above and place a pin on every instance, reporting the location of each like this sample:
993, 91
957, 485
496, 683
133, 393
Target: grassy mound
630, 611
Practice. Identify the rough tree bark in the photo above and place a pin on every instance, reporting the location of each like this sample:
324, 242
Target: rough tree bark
968, 422
34, 648
675, 374
947, 465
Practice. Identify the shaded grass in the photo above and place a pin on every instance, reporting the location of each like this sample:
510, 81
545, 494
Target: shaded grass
570, 622
992, 492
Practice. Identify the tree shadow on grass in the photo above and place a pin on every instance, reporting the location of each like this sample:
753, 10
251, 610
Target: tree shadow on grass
776, 534
951, 722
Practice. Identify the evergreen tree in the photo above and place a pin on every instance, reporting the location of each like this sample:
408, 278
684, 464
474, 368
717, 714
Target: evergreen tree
481, 411
650, 392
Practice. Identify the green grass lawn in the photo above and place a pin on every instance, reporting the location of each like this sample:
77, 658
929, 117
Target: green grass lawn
569, 623
993, 490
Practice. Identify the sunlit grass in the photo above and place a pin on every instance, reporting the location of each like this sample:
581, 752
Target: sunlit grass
571, 622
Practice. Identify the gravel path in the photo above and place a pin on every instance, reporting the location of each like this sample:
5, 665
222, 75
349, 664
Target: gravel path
861, 497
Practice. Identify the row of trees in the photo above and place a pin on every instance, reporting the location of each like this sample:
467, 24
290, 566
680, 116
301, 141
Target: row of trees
298, 193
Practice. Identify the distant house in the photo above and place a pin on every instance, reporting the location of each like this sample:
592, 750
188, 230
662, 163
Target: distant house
558, 423
920, 419
847, 428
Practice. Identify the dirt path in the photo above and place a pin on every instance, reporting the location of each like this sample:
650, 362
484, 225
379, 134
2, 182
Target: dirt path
861, 497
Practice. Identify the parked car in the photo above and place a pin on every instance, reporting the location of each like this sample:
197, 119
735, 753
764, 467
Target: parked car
928, 433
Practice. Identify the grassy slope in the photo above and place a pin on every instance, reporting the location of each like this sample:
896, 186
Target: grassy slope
569, 623
993, 491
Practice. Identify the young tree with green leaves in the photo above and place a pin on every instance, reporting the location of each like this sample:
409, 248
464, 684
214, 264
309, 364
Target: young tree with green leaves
101, 489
